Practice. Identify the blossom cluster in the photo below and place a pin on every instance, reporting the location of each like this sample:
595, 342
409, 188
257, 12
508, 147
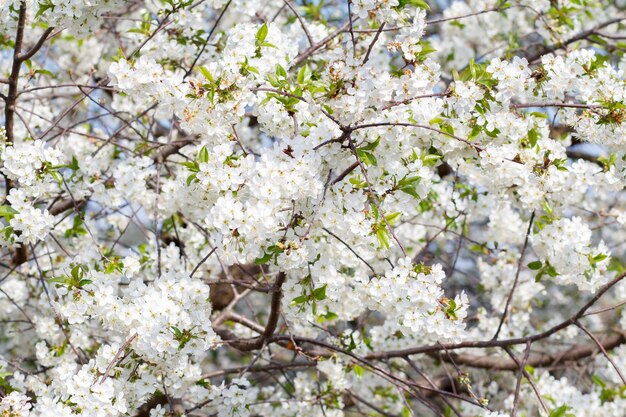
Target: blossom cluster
283, 208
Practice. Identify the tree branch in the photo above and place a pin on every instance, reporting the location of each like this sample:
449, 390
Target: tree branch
542, 360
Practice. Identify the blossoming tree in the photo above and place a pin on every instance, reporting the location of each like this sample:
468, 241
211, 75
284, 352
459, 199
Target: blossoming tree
312, 208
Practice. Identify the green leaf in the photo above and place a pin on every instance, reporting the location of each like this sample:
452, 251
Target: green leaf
61, 280
352, 344
548, 208
280, 71
204, 155
207, 74
535, 266
383, 238
426, 49
191, 166
457, 24
56, 176
304, 75
203, 383
177, 331
358, 370
320, 293
367, 157
599, 257
262, 33
393, 218
43, 7
7, 212
84, 282
410, 190
408, 182
450, 309
609, 394
598, 381
263, 259
539, 275
326, 317
44, 72
430, 159
561, 411
74, 165
76, 229
4, 385
300, 300
551, 271
532, 137
273, 80
372, 145
436, 121
417, 3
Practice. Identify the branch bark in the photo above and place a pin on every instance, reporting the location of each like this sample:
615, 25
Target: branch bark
9, 110
542, 360
21, 253
247, 345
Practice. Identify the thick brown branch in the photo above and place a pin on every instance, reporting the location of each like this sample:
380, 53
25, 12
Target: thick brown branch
9, 110
171, 148
584, 156
64, 205
32, 51
469, 344
247, 345
576, 353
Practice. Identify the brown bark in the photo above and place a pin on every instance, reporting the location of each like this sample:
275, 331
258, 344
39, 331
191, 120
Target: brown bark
539, 360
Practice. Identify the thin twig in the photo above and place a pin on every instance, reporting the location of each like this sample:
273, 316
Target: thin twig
519, 269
